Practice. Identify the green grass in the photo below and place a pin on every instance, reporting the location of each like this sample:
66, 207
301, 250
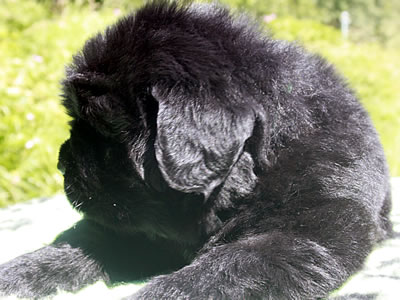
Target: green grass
34, 47
36, 44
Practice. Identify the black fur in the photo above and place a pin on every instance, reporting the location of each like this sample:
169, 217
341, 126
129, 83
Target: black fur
240, 166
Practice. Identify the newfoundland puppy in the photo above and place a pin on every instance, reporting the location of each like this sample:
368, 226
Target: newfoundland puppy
218, 162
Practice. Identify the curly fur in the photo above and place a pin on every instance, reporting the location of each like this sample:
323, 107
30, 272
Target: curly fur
239, 166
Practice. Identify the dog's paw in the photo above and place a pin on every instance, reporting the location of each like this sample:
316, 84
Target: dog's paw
45, 271
15, 280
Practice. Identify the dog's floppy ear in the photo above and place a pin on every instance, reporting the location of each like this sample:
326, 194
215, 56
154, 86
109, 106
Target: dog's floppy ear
198, 140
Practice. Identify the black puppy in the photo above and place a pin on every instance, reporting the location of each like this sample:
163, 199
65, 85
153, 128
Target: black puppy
243, 166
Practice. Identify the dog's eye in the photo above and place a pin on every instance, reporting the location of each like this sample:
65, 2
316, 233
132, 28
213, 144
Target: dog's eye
106, 115
90, 84
107, 154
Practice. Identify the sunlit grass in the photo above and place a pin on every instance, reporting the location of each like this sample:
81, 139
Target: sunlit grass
33, 53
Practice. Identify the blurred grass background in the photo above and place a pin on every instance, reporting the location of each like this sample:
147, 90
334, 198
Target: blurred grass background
39, 37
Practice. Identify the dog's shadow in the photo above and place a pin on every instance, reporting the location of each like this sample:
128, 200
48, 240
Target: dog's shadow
125, 258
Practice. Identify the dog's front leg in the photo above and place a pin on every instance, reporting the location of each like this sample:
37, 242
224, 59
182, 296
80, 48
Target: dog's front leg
269, 266
84, 254
63, 265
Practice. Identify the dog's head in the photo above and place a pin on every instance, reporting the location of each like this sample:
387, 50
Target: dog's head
158, 107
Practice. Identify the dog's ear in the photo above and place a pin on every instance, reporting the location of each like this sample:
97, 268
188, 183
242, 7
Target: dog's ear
199, 139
